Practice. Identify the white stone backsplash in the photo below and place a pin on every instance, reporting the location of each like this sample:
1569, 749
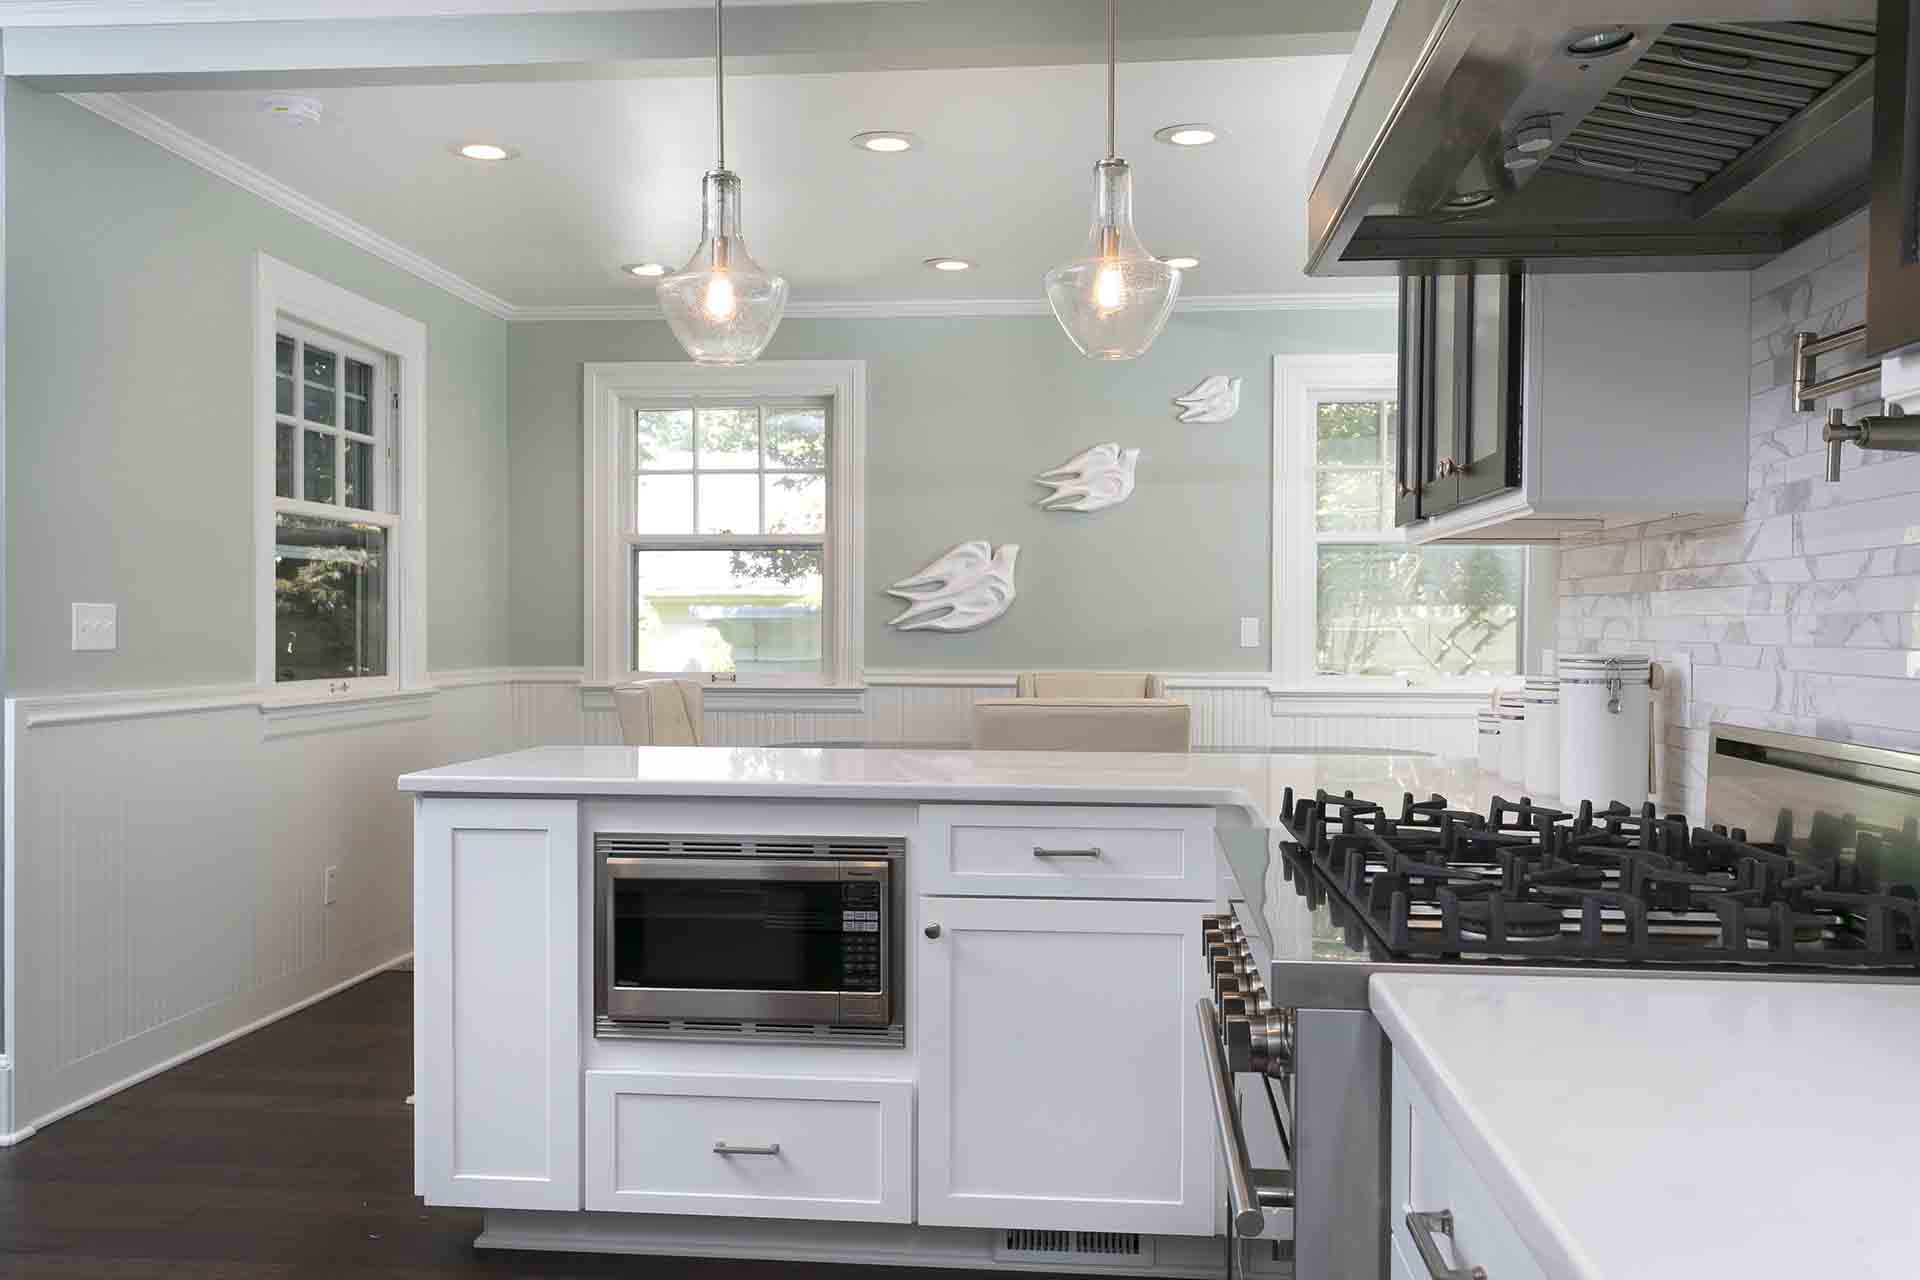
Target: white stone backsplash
1803, 616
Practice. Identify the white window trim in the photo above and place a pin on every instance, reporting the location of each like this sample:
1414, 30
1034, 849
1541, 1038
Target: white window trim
1298, 381
612, 391
280, 289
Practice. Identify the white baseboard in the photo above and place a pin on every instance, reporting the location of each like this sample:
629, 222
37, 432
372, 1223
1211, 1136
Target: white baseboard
839, 1243
147, 1073
10, 1136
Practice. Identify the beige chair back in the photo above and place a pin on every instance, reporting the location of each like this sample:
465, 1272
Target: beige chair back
1082, 724
1089, 684
659, 713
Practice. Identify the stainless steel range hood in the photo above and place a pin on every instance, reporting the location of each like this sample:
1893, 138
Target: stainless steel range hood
1630, 136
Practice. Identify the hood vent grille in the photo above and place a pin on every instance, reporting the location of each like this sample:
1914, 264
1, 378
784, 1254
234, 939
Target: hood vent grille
1704, 95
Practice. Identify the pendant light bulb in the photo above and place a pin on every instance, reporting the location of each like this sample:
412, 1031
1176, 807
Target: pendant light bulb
1114, 299
722, 306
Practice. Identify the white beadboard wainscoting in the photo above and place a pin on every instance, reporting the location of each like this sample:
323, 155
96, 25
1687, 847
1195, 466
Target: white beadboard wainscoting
166, 861
167, 850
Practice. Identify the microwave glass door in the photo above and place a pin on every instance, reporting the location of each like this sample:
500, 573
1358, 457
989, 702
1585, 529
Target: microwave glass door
769, 935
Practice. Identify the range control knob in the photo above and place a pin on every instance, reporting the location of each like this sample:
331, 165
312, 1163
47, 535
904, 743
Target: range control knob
1238, 1036
1270, 1043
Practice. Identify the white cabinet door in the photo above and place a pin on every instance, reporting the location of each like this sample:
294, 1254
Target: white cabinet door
497, 1002
1060, 1084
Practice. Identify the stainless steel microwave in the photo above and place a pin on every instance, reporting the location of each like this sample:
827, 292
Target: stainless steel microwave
707, 936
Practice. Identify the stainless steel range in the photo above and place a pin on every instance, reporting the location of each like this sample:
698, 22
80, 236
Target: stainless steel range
1808, 867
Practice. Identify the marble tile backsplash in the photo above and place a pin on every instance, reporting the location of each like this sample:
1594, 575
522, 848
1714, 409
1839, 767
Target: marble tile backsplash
1802, 616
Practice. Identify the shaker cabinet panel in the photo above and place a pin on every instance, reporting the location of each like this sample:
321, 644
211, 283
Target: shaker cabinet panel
497, 1003
1461, 343
1060, 1084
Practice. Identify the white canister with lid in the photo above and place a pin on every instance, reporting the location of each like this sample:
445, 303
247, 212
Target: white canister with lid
1542, 696
1513, 736
1486, 725
1606, 719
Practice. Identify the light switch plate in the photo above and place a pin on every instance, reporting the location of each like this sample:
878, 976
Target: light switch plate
96, 627
1249, 633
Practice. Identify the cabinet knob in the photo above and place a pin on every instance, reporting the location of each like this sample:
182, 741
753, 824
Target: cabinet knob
1448, 467
932, 931
1405, 490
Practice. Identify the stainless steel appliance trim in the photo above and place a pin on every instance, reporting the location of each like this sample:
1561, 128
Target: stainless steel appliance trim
680, 868
1248, 1220
1808, 347
1424, 1226
724, 1148
1846, 759
1342, 1108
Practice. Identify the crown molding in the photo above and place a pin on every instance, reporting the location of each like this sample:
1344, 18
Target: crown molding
932, 308
194, 150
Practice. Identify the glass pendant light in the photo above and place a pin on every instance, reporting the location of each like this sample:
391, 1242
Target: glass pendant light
1114, 298
723, 306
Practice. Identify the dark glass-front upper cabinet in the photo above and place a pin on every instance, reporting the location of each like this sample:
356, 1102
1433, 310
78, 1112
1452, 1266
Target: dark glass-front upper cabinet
1893, 231
1460, 390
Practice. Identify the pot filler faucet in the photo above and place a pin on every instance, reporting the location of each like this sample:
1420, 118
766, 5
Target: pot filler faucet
1877, 431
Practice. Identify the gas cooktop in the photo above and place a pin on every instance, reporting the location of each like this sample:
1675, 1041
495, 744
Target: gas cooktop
1422, 880
1808, 865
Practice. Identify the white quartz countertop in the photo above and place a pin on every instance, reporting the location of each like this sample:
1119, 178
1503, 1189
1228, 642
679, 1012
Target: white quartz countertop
1252, 783
1654, 1128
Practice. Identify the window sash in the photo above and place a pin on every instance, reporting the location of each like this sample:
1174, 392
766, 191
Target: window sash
384, 478
823, 541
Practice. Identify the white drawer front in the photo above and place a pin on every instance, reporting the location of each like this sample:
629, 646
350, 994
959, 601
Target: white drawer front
1430, 1173
1060, 851
793, 1147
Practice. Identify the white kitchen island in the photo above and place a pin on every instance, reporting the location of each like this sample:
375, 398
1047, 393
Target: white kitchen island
1045, 1106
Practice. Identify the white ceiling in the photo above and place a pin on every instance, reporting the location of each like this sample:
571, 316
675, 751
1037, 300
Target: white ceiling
608, 172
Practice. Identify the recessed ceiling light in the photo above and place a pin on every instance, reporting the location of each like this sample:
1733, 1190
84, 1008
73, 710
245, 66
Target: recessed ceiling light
1184, 264
291, 108
483, 151
885, 140
949, 264
1188, 135
647, 270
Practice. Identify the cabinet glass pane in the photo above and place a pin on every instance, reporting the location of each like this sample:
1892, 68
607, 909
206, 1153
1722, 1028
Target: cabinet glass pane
318, 462
1445, 336
1488, 390
729, 504
1419, 612
663, 440
751, 610
330, 599
663, 504
729, 439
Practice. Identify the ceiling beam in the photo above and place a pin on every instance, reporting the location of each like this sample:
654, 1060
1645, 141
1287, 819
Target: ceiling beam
789, 38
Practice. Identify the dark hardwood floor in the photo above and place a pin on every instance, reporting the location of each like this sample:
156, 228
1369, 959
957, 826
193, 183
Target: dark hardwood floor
287, 1153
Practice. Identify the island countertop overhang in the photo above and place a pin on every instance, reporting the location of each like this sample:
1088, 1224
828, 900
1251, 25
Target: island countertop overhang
1251, 783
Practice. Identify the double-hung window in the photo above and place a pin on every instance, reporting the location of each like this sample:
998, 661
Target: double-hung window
725, 534
1356, 603
338, 523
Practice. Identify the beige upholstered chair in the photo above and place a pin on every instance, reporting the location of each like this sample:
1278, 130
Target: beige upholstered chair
659, 713
1089, 684
1082, 724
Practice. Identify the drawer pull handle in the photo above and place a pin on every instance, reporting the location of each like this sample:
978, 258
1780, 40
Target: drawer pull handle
1038, 852
728, 1149
1424, 1227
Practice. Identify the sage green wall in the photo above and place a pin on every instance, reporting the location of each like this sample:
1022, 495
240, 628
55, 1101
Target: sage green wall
129, 293
961, 414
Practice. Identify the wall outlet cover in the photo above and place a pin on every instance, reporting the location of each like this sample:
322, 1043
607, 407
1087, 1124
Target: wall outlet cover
95, 627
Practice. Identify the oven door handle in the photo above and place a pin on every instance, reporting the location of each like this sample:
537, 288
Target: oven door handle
1248, 1220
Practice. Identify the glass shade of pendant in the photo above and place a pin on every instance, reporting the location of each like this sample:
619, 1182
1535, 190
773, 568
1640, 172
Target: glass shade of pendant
1114, 298
722, 306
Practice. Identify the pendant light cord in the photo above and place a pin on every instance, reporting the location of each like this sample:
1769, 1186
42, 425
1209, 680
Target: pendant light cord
719, 87
1112, 22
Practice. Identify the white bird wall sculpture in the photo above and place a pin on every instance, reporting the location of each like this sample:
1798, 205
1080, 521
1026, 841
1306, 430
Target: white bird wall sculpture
966, 588
1101, 477
1216, 399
